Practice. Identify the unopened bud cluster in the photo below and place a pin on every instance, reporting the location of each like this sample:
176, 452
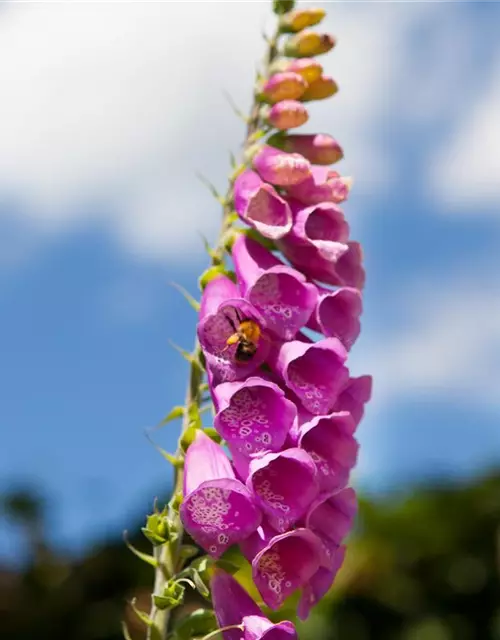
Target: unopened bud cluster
286, 406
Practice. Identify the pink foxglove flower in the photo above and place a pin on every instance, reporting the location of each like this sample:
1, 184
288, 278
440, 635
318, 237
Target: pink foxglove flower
284, 86
218, 511
283, 563
287, 114
233, 606
259, 205
221, 312
337, 314
284, 485
281, 168
315, 372
309, 68
324, 185
330, 443
253, 416
319, 148
280, 294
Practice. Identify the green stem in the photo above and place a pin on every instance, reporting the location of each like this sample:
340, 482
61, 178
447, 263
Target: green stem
168, 554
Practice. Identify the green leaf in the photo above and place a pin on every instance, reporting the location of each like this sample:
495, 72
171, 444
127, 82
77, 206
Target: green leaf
143, 616
175, 413
188, 551
125, 631
194, 303
194, 419
193, 360
210, 187
201, 587
197, 623
145, 557
174, 461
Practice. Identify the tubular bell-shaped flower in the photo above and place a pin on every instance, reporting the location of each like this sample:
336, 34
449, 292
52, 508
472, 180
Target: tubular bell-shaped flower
221, 313
354, 396
283, 563
337, 314
279, 293
315, 372
253, 416
284, 485
309, 68
233, 606
259, 205
281, 168
284, 86
319, 148
324, 185
330, 443
321, 227
287, 114
218, 511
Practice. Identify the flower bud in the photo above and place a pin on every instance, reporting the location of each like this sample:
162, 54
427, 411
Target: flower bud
284, 86
309, 68
308, 43
283, 6
300, 19
319, 89
319, 148
287, 114
281, 168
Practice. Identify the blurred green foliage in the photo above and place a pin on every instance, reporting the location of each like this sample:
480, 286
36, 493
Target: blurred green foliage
424, 566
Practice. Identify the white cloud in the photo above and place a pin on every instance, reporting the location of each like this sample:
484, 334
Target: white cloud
109, 109
448, 348
465, 172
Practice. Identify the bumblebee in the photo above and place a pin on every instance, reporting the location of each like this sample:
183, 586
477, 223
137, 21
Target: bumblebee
246, 336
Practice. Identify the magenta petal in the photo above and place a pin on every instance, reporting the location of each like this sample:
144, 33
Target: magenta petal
286, 563
284, 485
259, 205
215, 293
216, 327
337, 314
218, 514
322, 186
315, 372
343, 269
329, 442
205, 460
322, 226
280, 293
260, 628
354, 396
280, 168
253, 415
320, 584
331, 517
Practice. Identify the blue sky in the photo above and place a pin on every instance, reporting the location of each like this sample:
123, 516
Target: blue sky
109, 113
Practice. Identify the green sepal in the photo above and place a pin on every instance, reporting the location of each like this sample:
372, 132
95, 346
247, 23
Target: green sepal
236, 110
176, 501
212, 434
157, 529
258, 237
283, 6
211, 273
145, 557
194, 419
277, 140
172, 596
194, 303
216, 260
227, 566
197, 623
187, 438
